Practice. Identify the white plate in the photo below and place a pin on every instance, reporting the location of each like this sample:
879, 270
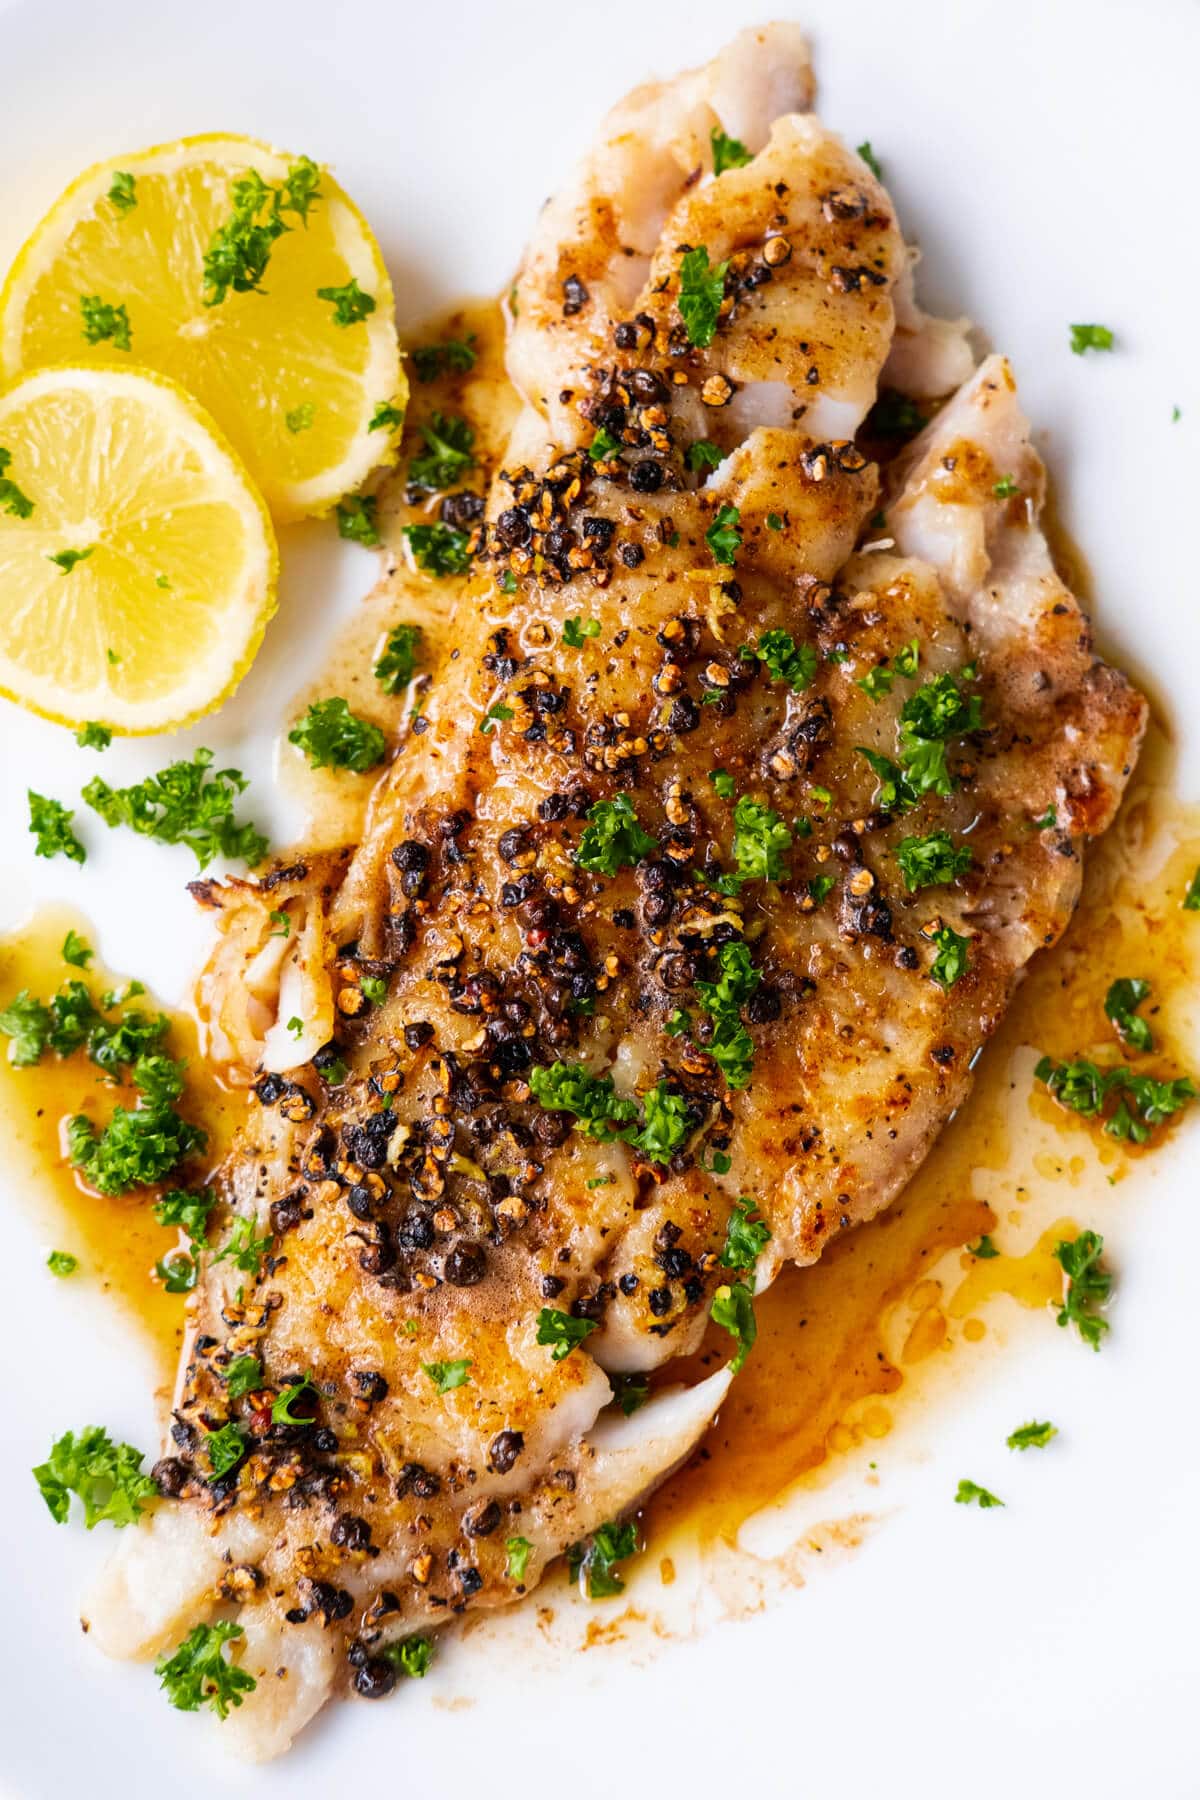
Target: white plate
1043, 155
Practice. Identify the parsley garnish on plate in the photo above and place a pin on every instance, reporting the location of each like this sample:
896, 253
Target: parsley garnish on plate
745, 1236
446, 1376
761, 841
1006, 488
93, 736
733, 1309
658, 1129
62, 1263
722, 781
577, 630
242, 1376
984, 1250
786, 660
1033, 1436
237, 257
184, 803
516, 1553
199, 1673
931, 861
1120, 1007
1091, 337
448, 453
66, 560
76, 950
952, 961
123, 191
613, 838
300, 418
225, 1449
724, 537
453, 356
701, 291
727, 152
356, 521
350, 305
412, 1656
397, 665
136, 1148
1191, 900
439, 549
495, 715
703, 454
106, 1477
104, 323
630, 1392
595, 1568
12, 500
50, 823
870, 158
188, 1210
971, 1494
561, 1332
386, 417
1143, 1101
730, 1044
333, 737
242, 1248
1089, 1287
281, 1411
604, 446
178, 1272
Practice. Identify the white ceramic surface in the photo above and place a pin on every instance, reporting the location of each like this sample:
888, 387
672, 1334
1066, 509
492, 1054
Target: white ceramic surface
1043, 155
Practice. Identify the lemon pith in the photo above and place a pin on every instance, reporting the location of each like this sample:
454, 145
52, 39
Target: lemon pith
137, 586
293, 391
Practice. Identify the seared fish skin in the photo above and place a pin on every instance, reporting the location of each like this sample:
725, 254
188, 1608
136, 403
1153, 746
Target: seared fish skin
747, 989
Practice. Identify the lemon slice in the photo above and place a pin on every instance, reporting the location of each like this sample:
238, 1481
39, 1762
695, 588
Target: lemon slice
295, 390
137, 559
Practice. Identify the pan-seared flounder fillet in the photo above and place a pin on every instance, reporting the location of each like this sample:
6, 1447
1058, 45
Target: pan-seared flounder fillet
713, 867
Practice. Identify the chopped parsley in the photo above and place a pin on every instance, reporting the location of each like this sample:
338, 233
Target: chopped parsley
1005, 488
985, 1249
375, 988
300, 418
50, 823
448, 453
666, 1124
931, 861
722, 781
123, 190
281, 1410
446, 1376
93, 736
104, 323
595, 1568
137, 1147
1090, 337
761, 842
398, 663
242, 1248
733, 1309
12, 500
630, 1392
281, 923
386, 417
951, 962
332, 737
1191, 900
727, 152
243, 1376
350, 305
971, 1494
439, 549
453, 356
199, 1673
1143, 1101
577, 630
745, 1237
730, 1044
785, 660
356, 520
561, 1332
870, 158
603, 1114
604, 446
183, 804
703, 454
517, 1552
1088, 1286
67, 559
495, 715
701, 291
1033, 1436
929, 718
106, 1477
237, 256
178, 1272
723, 536
76, 950
894, 415
613, 839
1120, 1007
412, 1656
820, 887
62, 1263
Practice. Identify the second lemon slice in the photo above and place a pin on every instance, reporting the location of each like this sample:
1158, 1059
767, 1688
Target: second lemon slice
295, 354
137, 560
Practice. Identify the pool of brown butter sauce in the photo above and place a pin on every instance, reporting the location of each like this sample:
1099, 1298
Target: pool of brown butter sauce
846, 1349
